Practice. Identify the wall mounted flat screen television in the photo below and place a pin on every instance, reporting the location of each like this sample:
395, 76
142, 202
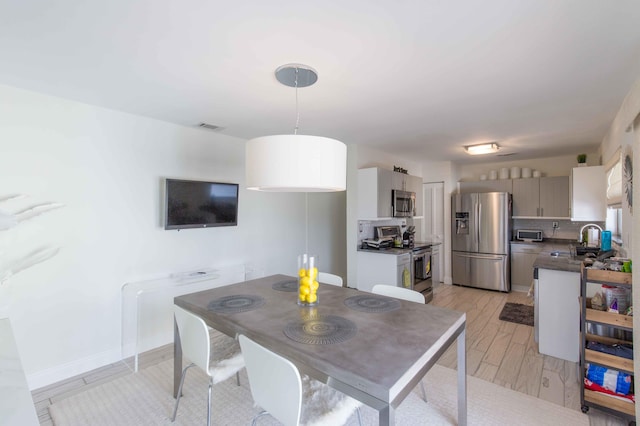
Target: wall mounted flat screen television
197, 204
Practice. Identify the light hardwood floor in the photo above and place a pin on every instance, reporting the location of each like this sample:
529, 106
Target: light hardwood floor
506, 353
497, 351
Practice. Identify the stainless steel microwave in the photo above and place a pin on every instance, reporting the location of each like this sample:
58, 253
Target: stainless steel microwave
529, 235
404, 203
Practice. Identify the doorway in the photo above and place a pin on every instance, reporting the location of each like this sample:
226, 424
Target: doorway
433, 223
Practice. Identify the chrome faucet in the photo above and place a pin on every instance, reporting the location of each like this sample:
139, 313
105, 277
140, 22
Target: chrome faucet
588, 225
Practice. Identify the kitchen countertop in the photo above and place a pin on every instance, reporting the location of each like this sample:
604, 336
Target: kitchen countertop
396, 251
563, 262
547, 241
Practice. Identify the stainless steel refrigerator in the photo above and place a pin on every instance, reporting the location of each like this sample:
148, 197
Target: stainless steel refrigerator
480, 233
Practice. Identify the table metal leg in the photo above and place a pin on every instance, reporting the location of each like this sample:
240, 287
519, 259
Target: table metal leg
177, 359
387, 416
462, 379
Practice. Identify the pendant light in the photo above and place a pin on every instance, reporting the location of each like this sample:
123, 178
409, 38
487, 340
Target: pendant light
296, 163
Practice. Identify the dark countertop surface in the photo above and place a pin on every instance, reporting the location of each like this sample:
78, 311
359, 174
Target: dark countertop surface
554, 241
563, 262
396, 251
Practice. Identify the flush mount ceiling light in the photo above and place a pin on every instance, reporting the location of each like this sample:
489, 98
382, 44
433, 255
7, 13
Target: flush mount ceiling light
296, 163
485, 148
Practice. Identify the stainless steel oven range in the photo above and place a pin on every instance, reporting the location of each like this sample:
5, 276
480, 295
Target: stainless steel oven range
423, 283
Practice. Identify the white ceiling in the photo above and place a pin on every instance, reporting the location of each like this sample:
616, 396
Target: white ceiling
417, 78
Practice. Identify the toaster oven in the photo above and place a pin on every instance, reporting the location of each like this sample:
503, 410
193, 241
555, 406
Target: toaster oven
529, 235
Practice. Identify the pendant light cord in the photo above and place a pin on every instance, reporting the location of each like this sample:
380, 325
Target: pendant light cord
306, 222
295, 130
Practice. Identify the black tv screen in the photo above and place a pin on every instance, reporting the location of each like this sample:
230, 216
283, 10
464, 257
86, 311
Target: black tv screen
196, 204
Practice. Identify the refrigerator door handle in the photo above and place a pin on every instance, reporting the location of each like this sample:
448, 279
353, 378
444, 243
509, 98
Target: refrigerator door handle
479, 223
480, 256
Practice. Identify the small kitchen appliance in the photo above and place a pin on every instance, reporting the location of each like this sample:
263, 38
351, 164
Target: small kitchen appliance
384, 237
529, 235
403, 203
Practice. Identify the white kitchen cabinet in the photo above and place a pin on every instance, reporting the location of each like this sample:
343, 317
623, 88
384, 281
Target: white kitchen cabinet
383, 268
559, 314
374, 193
400, 181
588, 194
415, 185
435, 263
546, 197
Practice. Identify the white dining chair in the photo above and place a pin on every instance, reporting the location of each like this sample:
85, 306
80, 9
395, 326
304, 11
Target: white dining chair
327, 278
404, 294
398, 293
279, 390
195, 340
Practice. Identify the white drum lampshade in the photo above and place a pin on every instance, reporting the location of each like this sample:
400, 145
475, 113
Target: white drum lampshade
296, 163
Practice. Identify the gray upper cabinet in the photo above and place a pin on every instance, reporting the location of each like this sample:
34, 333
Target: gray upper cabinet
554, 197
526, 197
546, 197
502, 185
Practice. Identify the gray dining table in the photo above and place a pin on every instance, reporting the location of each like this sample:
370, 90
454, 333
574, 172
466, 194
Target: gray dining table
373, 348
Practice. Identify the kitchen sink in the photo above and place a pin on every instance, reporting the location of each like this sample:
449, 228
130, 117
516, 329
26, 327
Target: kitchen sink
582, 250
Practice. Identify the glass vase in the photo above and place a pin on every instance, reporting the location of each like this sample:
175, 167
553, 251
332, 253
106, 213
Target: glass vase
308, 280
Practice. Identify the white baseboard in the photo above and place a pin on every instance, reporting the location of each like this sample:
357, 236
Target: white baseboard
55, 374
520, 288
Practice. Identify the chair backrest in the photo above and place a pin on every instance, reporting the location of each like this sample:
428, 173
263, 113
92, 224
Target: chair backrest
398, 292
327, 278
275, 382
194, 337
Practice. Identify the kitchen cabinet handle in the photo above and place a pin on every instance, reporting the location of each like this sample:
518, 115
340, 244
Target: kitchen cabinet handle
541, 211
537, 211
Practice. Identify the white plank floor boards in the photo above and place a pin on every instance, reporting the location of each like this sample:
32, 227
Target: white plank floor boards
497, 351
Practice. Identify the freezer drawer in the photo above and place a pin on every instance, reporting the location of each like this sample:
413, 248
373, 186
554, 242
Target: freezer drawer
490, 271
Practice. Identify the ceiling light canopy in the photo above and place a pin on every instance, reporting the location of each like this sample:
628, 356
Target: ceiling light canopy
296, 163
485, 148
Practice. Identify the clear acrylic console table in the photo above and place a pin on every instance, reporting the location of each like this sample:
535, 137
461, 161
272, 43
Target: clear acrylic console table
147, 306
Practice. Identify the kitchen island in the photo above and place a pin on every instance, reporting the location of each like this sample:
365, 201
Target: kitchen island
557, 302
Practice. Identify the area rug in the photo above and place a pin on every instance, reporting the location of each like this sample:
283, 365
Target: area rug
518, 313
144, 398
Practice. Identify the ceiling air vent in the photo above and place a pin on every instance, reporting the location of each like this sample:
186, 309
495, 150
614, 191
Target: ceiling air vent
507, 154
210, 126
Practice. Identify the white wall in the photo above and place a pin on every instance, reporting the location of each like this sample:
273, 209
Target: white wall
106, 168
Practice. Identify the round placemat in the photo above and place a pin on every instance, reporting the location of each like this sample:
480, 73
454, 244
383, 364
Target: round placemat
236, 303
322, 330
371, 303
289, 285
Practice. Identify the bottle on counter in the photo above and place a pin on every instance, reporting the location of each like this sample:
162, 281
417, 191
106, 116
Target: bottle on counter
605, 241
